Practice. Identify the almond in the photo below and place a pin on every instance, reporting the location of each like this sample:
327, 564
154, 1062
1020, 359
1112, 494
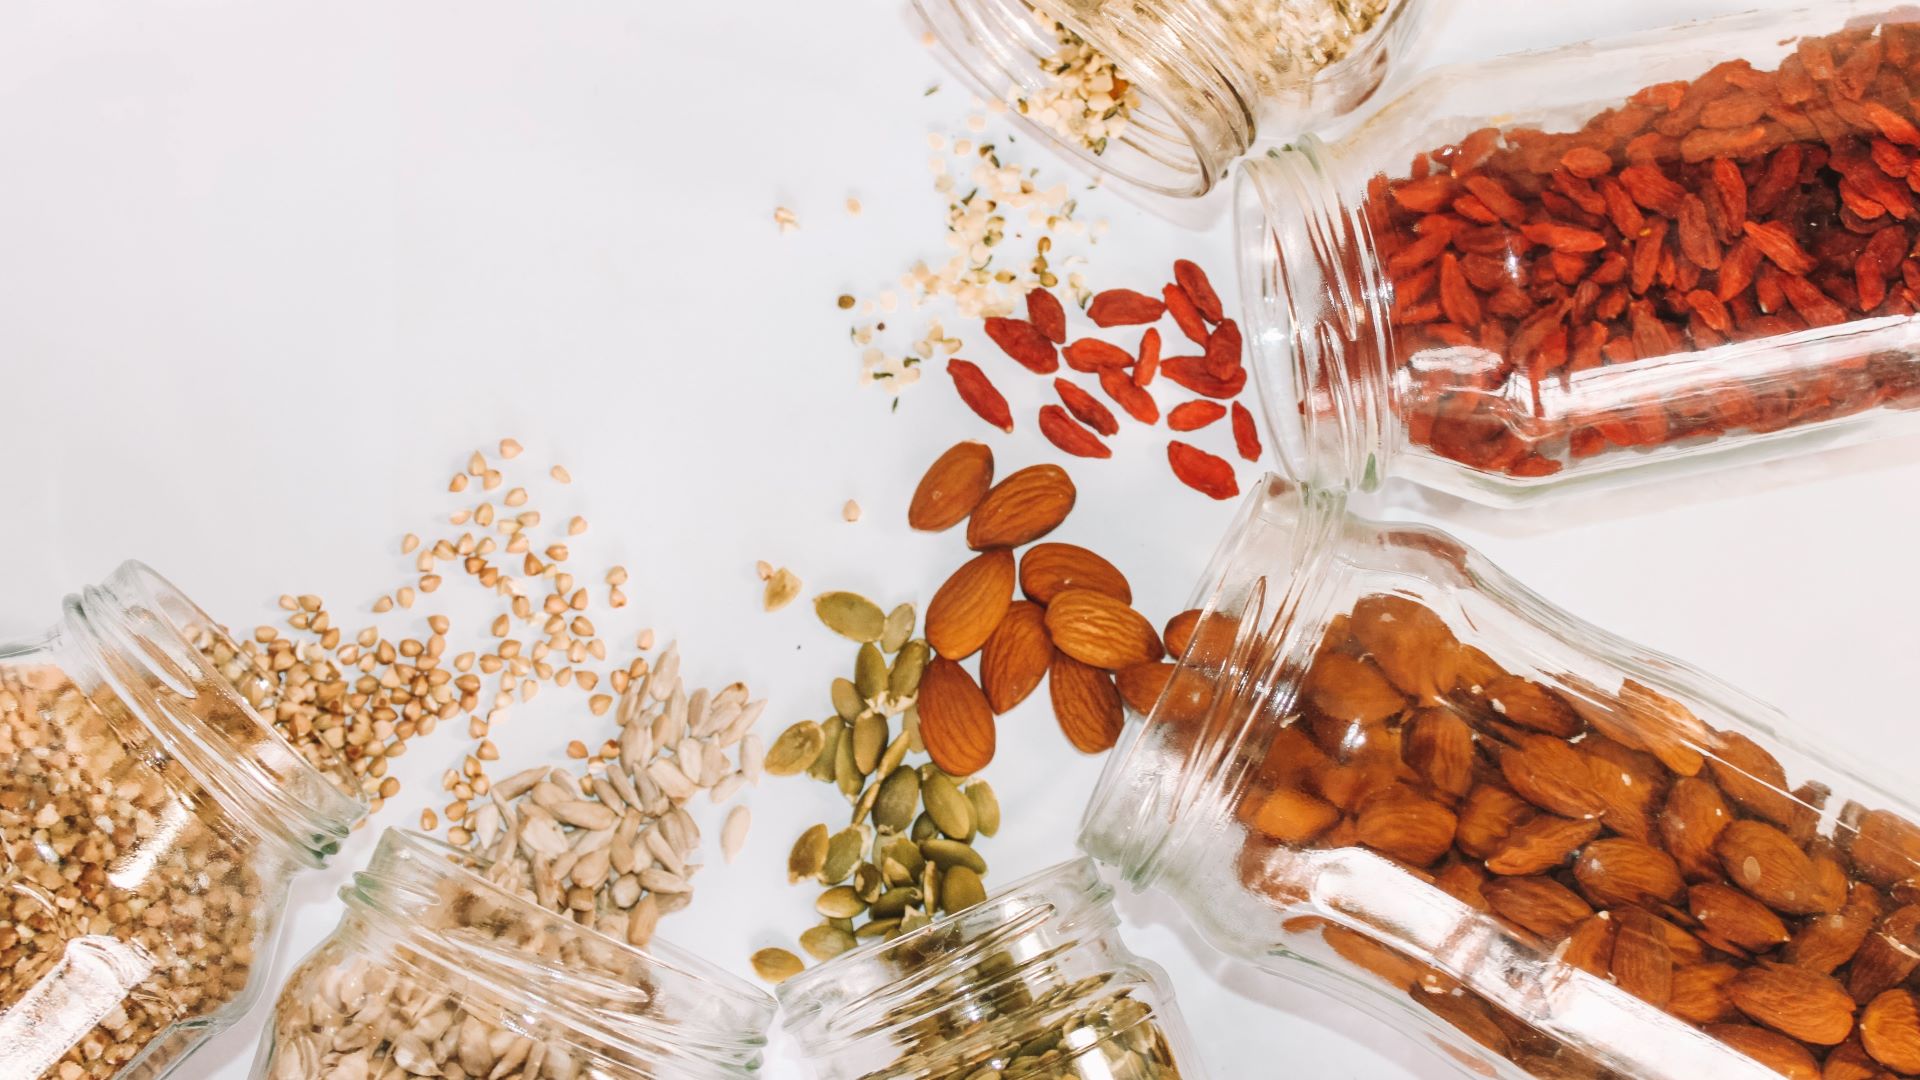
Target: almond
1412, 645
1538, 904
1141, 684
1552, 776
1753, 778
1850, 1061
1488, 817
1890, 1031
1022, 508
1885, 847
1736, 916
1472, 1017
1642, 960
1097, 629
1630, 782
1768, 864
1086, 704
1590, 946
1462, 880
1618, 871
1015, 657
1047, 570
1440, 748
1651, 721
1700, 993
1805, 1004
965, 610
951, 488
1406, 826
1179, 632
1825, 942
955, 723
1888, 955
1543, 844
1769, 1048
1352, 690
1534, 706
1391, 966
1691, 824
1290, 816
1291, 756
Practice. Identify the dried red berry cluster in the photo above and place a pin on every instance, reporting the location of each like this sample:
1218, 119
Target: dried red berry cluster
1745, 204
1080, 421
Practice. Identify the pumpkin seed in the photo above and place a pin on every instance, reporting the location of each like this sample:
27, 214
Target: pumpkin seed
877, 928
869, 738
845, 925
960, 889
863, 805
895, 873
899, 627
894, 902
808, 856
846, 772
910, 723
951, 812
843, 854
870, 673
986, 807
907, 854
826, 941
846, 700
899, 795
930, 885
923, 828
914, 920
869, 883
850, 615
946, 853
903, 681
840, 902
776, 965
895, 753
795, 749
832, 730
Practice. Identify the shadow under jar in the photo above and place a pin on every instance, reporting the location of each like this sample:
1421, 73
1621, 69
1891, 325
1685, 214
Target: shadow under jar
150, 823
1033, 982
435, 970
1572, 265
1166, 94
1384, 768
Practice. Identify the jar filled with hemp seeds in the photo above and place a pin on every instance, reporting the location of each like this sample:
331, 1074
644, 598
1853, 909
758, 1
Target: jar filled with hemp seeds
151, 823
1033, 982
1165, 95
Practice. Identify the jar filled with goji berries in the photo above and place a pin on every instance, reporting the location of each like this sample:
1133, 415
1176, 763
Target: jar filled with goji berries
1681, 248
1387, 769
151, 822
438, 969
1033, 983
1167, 94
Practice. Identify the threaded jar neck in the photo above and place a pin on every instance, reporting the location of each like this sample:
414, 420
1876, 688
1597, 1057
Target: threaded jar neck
1196, 115
134, 635
1316, 298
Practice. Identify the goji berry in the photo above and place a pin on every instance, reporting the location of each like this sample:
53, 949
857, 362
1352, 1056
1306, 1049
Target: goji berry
1192, 372
1137, 402
1203, 472
979, 393
1148, 364
1180, 306
1086, 408
1092, 354
1223, 350
1046, 314
1246, 437
1194, 280
1061, 430
1024, 342
1124, 307
1194, 415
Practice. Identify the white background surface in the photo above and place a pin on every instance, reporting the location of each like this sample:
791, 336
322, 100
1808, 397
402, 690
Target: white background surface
268, 272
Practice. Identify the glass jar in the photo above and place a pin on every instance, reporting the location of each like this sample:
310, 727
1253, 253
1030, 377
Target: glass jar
1563, 266
1166, 94
435, 970
151, 823
1384, 767
1033, 982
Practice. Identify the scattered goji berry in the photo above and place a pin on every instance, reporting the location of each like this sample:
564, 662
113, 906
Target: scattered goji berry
1223, 349
1192, 372
1137, 402
1024, 342
979, 393
1148, 364
1246, 437
1086, 408
1203, 472
1061, 430
1124, 307
1194, 415
1046, 314
1200, 290
1180, 306
1092, 354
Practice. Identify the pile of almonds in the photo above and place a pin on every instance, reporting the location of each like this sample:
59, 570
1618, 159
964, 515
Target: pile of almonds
1615, 829
1079, 422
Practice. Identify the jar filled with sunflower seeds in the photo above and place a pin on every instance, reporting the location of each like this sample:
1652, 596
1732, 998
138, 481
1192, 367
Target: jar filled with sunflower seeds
1032, 982
151, 822
436, 970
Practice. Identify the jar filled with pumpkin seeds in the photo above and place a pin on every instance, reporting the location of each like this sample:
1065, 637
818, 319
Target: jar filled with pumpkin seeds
150, 822
1031, 982
437, 969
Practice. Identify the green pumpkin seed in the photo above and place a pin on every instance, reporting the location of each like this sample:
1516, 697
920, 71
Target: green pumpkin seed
843, 854
947, 854
951, 812
841, 924
776, 965
899, 795
894, 902
846, 700
863, 805
960, 889
930, 885
903, 681
870, 673
890, 759
907, 853
877, 928
840, 902
895, 873
869, 739
910, 723
808, 856
923, 828
824, 942
986, 807
899, 627
795, 749
846, 771
914, 920
850, 615
868, 882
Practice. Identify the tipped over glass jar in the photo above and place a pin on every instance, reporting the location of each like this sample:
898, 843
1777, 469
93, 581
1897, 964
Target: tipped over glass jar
1031, 983
1684, 247
150, 822
1384, 767
435, 970
1167, 94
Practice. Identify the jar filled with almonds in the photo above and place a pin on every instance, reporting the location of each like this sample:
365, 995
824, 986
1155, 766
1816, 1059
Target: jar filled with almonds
1033, 982
1167, 94
151, 822
1382, 763
438, 969
1570, 267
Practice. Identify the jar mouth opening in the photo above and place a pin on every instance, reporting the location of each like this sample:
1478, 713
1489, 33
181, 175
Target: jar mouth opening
139, 629
1001, 48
